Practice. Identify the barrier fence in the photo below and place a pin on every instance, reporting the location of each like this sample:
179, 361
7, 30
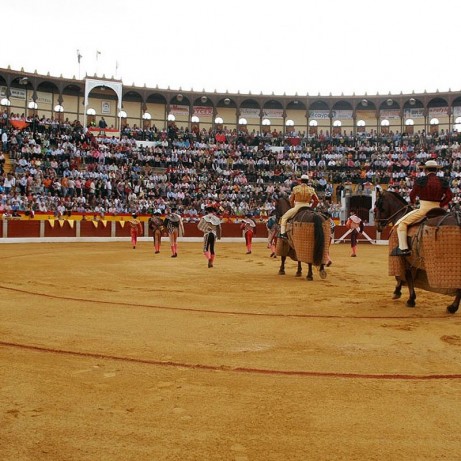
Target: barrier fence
49, 227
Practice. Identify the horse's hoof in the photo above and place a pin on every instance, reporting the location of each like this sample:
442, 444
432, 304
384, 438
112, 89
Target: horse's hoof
397, 296
323, 273
310, 278
298, 274
451, 309
281, 272
411, 303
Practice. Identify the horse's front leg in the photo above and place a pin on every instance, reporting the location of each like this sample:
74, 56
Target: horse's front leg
310, 274
411, 302
453, 307
299, 271
398, 289
282, 265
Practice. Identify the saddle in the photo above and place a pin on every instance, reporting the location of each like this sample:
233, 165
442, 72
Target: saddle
301, 209
415, 230
433, 213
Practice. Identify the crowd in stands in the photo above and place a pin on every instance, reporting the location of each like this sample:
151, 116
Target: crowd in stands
61, 168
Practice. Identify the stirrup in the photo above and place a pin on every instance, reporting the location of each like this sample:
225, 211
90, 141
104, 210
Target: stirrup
398, 252
283, 236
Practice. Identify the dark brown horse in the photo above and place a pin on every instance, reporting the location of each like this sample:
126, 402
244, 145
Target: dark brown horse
412, 270
291, 247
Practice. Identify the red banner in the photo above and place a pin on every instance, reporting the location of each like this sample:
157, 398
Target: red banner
294, 141
19, 124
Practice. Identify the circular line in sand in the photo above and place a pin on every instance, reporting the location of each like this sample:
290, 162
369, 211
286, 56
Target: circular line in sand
248, 370
220, 312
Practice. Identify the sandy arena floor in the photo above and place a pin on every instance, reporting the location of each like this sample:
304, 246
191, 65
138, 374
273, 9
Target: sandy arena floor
110, 353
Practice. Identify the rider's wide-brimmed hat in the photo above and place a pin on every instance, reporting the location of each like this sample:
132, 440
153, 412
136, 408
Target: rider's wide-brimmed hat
431, 164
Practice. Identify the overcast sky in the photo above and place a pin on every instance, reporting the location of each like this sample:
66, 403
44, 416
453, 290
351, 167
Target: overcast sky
337, 46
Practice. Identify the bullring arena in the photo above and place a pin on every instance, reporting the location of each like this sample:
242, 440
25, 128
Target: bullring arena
110, 353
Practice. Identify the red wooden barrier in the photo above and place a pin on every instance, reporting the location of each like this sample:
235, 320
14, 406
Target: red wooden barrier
63, 228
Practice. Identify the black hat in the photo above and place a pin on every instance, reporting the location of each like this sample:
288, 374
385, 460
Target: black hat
210, 209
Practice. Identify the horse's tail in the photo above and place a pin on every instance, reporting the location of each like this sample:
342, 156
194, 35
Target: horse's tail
319, 240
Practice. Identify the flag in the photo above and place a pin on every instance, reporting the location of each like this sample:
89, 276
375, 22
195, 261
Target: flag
79, 56
98, 53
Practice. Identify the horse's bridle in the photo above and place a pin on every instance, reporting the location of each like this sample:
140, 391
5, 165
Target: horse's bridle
404, 210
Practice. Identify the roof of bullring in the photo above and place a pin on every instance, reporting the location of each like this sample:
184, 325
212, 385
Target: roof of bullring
37, 82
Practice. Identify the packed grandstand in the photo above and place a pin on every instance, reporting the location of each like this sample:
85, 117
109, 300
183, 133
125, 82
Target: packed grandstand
63, 166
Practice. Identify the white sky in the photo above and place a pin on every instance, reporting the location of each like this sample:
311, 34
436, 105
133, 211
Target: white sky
248, 45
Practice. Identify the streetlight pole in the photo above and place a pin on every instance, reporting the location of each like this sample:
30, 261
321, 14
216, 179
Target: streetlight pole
5, 102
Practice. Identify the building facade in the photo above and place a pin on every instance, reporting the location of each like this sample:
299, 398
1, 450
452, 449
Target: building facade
90, 99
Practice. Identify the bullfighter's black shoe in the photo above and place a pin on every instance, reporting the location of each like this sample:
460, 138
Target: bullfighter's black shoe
398, 252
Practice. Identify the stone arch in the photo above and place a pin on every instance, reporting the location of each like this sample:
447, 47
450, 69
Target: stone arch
91, 84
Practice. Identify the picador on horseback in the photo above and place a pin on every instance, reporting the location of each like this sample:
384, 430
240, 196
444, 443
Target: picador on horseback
433, 192
302, 195
305, 232
435, 261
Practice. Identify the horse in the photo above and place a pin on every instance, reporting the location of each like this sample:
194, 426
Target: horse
292, 247
417, 270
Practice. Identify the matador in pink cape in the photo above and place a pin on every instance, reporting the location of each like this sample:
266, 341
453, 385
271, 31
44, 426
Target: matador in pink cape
135, 229
248, 228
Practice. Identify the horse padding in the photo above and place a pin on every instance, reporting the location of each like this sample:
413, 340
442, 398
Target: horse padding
304, 241
442, 250
283, 248
396, 265
399, 265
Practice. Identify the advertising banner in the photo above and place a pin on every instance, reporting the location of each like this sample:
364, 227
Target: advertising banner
16, 93
414, 113
341, 114
438, 112
176, 109
44, 98
249, 113
319, 114
203, 111
389, 114
273, 113
365, 114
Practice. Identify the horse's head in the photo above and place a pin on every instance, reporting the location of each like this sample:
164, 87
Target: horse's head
281, 206
389, 207
380, 212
